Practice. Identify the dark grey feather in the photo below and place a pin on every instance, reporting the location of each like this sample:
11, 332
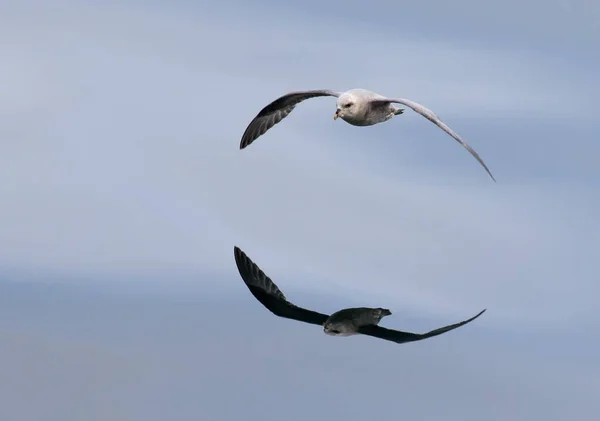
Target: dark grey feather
402, 337
269, 295
277, 111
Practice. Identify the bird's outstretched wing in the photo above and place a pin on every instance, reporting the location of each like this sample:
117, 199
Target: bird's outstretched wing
430, 115
269, 295
402, 337
277, 111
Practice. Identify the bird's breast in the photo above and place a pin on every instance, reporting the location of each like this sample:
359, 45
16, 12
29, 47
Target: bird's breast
357, 120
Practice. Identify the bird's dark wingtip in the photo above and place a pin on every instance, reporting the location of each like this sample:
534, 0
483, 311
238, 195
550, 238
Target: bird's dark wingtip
475, 316
237, 253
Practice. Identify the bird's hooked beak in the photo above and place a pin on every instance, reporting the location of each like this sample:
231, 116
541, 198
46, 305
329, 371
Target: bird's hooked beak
337, 114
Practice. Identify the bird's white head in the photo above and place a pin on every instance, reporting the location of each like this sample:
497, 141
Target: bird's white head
346, 106
330, 329
337, 328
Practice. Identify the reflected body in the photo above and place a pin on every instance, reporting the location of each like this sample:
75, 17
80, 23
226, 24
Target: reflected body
346, 322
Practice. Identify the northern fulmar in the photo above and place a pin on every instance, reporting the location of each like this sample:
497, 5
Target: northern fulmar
358, 107
346, 322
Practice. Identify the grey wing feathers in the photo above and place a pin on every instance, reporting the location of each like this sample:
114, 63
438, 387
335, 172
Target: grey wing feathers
402, 337
253, 276
277, 111
430, 115
269, 295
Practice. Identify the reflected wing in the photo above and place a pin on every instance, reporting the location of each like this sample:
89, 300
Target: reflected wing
265, 291
277, 111
429, 115
402, 337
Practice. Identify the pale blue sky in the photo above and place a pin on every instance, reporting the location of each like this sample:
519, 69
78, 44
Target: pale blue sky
124, 193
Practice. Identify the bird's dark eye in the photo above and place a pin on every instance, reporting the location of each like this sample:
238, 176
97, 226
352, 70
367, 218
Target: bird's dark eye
348, 105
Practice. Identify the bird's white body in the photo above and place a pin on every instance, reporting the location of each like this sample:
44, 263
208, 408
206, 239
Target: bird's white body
356, 107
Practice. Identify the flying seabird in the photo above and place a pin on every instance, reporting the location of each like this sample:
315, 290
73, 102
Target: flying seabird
346, 322
358, 107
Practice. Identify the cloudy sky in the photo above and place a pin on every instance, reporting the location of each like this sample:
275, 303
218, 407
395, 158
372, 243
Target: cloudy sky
124, 192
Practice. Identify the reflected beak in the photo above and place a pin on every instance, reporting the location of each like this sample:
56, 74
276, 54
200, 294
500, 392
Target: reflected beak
337, 114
